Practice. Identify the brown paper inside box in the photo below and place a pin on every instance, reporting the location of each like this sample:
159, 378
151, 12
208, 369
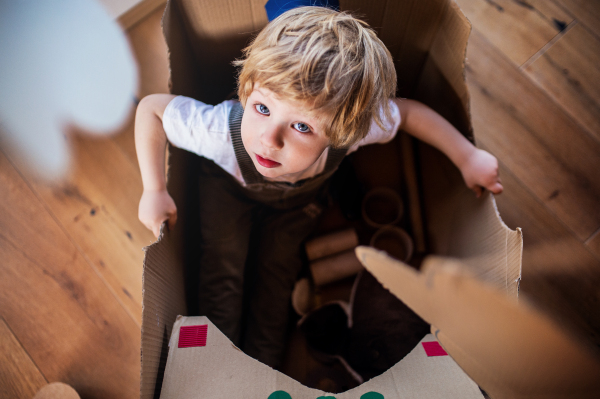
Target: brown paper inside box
502, 344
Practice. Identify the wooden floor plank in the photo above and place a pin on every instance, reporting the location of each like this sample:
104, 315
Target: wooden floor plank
518, 28
585, 11
570, 72
19, 376
125, 140
544, 147
55, 303
97, 206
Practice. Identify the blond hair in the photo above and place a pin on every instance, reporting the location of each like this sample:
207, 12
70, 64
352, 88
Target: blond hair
331, 62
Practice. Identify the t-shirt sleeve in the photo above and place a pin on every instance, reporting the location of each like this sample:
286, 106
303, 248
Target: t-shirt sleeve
189, 123
202, 129
377, 134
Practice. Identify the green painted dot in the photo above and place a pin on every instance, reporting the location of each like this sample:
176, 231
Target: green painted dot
372, 395
280, 395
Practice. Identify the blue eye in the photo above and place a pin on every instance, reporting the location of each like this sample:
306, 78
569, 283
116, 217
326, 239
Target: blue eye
262, 109
301, 127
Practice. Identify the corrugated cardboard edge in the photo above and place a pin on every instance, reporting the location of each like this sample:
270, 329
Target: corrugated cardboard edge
220, 370
162, 301
489, 249
507, 347
470, 229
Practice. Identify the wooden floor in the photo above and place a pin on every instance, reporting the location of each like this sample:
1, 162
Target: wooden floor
70, 276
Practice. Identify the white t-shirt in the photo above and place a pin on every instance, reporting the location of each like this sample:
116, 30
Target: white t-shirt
204, 130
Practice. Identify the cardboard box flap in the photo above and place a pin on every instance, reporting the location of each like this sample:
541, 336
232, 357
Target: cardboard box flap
441, 83
465, 227
476, 234
408, 29
507, 347
204, 37
203, 363
162, 301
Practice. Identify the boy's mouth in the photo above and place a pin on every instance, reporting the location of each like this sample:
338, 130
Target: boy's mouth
267, 163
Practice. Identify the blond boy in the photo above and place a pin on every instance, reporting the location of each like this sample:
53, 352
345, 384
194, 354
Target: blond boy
314, 86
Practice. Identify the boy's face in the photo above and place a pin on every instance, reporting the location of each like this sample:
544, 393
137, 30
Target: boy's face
279, 135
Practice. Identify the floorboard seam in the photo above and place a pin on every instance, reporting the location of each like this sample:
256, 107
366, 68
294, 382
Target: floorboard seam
24, 349
594, 234
560, 5
545, 48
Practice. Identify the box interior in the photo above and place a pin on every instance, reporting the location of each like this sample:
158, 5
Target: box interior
428, 42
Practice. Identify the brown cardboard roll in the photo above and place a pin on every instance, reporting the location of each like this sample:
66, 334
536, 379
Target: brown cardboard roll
382, 206
302, 297
395, 241
335, 267
57, 390
331, 244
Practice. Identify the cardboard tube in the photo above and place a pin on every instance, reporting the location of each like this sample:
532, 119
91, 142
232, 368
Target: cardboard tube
395, 241
302, 297
334, 268
331, 244
382, 206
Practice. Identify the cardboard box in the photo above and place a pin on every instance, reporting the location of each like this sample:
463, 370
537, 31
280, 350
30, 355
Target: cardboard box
215, 368
470, 301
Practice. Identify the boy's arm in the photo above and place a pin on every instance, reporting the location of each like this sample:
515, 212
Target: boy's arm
478, 167
156, 205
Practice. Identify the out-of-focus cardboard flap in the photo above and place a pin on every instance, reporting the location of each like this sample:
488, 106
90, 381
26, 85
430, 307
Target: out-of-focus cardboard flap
208, 365
505, 345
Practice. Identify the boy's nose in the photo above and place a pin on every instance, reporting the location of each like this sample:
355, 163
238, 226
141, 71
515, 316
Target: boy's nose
272, 137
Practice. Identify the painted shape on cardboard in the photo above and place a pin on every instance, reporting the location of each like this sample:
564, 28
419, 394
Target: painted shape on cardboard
192, 336
434, 349
220, 369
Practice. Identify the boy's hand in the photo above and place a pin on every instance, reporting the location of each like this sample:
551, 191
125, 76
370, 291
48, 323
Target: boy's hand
155, 208
480, 172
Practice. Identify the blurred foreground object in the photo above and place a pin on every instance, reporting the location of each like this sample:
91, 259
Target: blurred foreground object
57, 390
63, 62
510, 349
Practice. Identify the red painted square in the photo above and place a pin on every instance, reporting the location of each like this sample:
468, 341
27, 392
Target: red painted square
434, 349
191, 336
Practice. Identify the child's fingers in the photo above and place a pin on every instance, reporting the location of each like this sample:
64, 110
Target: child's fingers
496, 188
478, 190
